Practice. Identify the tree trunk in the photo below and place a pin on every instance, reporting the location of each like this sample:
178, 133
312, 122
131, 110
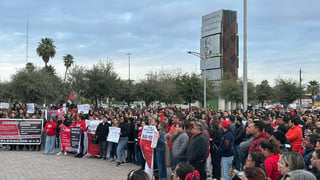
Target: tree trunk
65, 75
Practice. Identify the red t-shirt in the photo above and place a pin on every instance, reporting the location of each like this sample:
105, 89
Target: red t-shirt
50, 128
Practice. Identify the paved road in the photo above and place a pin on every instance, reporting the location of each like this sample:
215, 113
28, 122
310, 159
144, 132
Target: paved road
34, 165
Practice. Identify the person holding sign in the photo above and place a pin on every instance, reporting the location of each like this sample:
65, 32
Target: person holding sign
50, 129
82, 124
123, 141
101, 135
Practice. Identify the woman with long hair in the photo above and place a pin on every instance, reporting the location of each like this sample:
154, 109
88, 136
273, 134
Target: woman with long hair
271, 151
185, 171
254, 173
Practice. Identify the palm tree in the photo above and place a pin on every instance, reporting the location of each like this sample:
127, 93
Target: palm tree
313, 88
46, 49
68, 61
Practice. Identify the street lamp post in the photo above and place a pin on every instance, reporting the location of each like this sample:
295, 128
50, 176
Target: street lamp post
245, 75
204, 77
129, 54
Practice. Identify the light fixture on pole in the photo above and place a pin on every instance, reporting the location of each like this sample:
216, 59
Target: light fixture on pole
204, 77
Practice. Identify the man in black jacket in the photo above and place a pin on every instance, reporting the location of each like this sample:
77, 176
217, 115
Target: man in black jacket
239, 136
197, 151
101, 134
123, 141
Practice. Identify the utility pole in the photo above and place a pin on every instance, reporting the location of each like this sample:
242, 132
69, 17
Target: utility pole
129, 54
300, 80
27, 43
245, 76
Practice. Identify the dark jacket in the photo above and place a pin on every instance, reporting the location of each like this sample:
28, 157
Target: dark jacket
161, 144
307, 156
131, 133
239, 134
216, 137
315, 172
125, 129
197, 149
226, 145
66, 123
102, 131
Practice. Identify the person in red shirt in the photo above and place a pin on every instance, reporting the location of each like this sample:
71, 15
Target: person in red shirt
51, 131
82, 124
294, 134
271, 151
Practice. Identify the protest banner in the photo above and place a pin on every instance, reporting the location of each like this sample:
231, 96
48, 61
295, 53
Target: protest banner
114, 134
84, 108
65, 138
30, 108
149, 139
75, 138
4, 105
20, 131
93, 149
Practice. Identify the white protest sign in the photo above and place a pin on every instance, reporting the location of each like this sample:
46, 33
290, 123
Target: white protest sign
84, 108
4, 105
114, 134
92, 125
30, 108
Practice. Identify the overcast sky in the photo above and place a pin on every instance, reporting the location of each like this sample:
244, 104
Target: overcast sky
283, 36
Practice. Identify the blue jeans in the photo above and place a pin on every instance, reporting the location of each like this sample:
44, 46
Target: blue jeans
50, 144
113, 150
179, 160
122, 146
237, 157
161, 162
226, 163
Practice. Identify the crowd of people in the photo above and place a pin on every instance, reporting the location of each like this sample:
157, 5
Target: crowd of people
256, 144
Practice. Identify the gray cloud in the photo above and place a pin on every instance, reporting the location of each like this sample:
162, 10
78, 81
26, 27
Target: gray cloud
282, 35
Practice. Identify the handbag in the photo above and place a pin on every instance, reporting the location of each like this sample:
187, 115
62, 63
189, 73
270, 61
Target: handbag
94, 140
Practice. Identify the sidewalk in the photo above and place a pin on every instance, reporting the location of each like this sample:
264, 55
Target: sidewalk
31, 165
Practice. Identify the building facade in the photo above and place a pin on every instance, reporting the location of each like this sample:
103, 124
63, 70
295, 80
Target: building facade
219, 45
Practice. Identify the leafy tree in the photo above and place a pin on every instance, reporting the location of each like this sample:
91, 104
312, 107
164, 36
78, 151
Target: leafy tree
5, 91
148, 90
168, 91
100, 81
287, 91
124, 91
230, 90
30, 67
313, 88
35, 86
264, 92
68, 61
78, 81
46, 49
190, 87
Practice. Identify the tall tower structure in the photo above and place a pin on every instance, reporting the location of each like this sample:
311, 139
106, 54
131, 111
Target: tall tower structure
219, 45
